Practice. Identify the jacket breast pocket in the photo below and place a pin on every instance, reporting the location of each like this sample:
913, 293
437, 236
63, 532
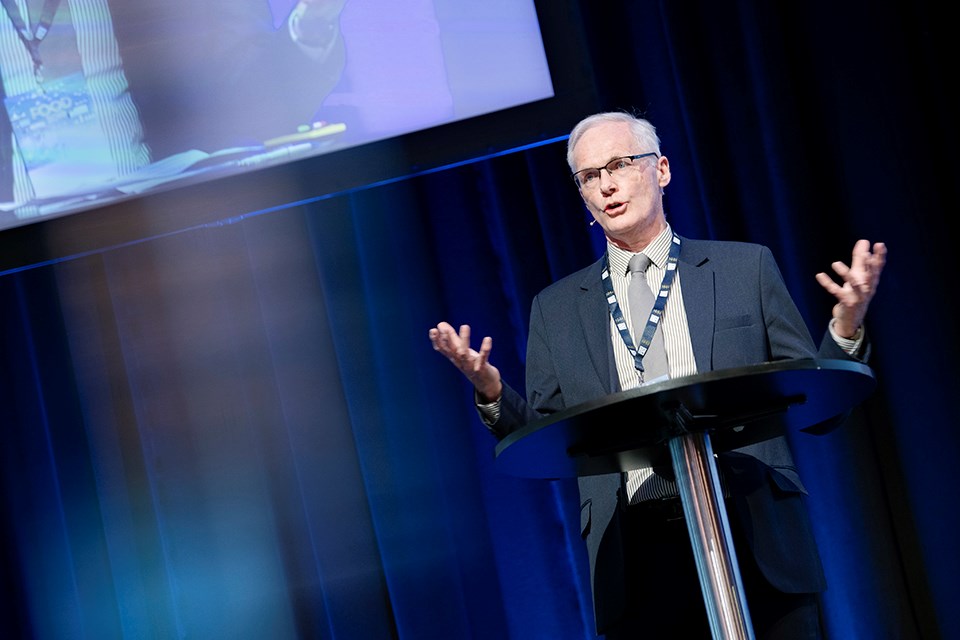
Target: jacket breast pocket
739, 345
732, 322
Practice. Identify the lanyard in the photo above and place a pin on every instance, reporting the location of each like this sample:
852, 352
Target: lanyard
654, 320
31, 38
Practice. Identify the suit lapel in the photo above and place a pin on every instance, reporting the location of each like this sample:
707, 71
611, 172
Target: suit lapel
696, 276
594, 320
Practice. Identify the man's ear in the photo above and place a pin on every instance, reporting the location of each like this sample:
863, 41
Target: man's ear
663, 171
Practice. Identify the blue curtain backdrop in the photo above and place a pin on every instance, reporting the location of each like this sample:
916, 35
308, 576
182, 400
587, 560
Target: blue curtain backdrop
240, 430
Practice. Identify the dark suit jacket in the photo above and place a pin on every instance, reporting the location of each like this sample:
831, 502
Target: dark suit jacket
739, 313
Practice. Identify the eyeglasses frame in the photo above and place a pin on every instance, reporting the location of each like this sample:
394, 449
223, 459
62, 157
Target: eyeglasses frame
599, 170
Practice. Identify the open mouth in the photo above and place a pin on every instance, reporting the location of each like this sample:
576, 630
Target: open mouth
613, 207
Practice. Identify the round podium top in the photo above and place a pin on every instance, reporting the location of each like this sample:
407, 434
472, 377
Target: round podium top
737, 407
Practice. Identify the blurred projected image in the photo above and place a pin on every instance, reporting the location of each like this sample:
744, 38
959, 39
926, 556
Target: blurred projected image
110, 98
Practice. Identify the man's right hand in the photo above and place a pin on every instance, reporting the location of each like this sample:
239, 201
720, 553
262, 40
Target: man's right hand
473, 364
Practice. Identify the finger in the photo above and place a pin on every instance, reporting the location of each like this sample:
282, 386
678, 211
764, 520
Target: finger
879, 257
857, 275
875, 258
464, 337
447, 330
447, 341
840, 269
869, 264
880, 250
861, 248
483, 356
827, 283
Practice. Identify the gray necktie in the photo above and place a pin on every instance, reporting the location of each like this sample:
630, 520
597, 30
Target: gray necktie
641, 301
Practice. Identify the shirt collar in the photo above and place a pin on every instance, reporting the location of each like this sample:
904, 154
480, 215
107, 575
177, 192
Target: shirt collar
658, 251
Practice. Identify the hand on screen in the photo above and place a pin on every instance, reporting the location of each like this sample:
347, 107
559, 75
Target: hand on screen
315, 25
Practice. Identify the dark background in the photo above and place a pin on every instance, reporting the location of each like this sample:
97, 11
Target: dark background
237, 428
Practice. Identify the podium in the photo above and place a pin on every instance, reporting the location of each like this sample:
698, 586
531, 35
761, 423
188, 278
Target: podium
683, 422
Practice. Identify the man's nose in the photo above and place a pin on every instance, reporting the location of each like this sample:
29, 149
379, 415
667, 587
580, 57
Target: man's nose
607, 183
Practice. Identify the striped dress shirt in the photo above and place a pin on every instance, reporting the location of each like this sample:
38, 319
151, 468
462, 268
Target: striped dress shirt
644, 484
80, 40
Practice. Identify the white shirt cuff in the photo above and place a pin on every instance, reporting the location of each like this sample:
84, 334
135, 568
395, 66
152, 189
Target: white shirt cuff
849, 345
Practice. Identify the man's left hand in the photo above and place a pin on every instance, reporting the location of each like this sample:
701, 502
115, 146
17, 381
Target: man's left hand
860, 282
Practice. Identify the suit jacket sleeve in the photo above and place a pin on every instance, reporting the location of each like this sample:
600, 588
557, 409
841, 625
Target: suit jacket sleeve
542, 382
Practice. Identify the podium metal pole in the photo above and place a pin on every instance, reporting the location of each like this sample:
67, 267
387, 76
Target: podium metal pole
709, 529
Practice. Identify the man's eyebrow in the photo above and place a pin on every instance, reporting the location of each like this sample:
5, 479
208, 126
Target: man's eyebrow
611, 159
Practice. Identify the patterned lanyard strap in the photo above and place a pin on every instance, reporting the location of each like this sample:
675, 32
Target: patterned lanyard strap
655, 314
31, 37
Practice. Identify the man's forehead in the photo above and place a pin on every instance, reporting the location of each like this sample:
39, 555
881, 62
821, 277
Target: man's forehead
602, 143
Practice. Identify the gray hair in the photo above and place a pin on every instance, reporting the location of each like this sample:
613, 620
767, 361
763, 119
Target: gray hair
643, 131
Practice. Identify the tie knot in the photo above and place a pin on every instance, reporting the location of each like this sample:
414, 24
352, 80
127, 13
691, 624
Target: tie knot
639, 263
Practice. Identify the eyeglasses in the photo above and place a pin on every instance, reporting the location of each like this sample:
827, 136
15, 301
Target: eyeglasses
590, 178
